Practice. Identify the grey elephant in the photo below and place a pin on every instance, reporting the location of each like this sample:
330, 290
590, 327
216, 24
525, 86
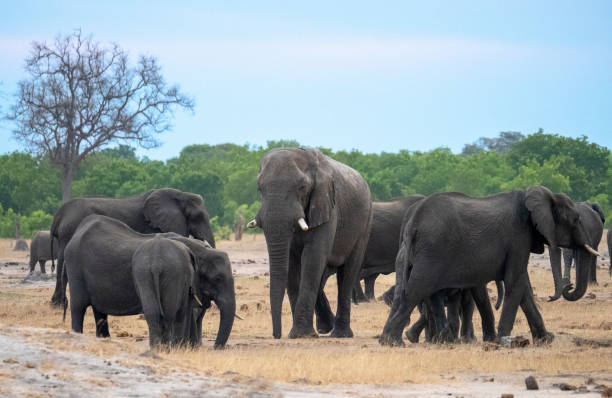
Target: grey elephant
454, 241
593, 218
315, 212
171, 278
41, 251
383, 244
159, 210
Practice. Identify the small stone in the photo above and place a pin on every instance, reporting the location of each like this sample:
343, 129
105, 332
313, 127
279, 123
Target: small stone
489, 346
514, 341
590, 296
122, 333
507, 395
531, 383
566, 387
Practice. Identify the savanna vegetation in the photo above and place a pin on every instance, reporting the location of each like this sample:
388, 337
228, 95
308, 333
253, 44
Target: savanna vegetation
226, 175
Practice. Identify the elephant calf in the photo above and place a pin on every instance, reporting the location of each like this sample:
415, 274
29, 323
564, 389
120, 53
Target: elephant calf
170, 278
40, 251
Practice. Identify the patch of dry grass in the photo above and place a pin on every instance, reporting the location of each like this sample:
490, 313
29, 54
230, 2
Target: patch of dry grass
253, 353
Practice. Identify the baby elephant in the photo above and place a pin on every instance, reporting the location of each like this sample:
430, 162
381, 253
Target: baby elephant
40, 251
169, 278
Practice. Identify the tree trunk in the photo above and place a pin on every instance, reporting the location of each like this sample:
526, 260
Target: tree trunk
67, 176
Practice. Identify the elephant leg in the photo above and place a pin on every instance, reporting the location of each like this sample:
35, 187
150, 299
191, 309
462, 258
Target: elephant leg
347, 276
313, 263
101, 323
32, 264
52, 266
293, 279
593, 273
426, 309
59, 295
388, 296
411, 288
481, 298
467, 313
77, 312
515, 288
325, 316
414, 332
358, 295
568, 256
369, 286
534, 318
450, 334
42, 266
443, 329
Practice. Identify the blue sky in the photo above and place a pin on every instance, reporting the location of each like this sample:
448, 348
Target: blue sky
375, 76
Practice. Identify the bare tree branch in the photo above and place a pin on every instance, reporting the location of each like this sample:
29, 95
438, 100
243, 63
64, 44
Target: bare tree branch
82, 96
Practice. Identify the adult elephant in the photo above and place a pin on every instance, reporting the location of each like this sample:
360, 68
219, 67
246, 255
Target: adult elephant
593, 218
159, 210
113, 269
383, 244
41, 251
455, 241
315, 212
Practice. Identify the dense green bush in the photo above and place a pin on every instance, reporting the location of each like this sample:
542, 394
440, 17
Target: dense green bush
226, 175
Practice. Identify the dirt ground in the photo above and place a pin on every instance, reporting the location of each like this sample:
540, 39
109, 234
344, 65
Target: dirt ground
40, 356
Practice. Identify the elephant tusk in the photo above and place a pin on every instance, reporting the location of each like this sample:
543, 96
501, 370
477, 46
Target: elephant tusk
591, 250
197, 300
252, 224
239, 317
303, 224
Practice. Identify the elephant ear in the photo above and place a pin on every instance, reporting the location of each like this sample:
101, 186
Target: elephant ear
163, 211
540, 203
322, 198
597, 208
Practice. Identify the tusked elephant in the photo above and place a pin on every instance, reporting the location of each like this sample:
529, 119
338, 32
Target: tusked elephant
454, 241
159, 210
118, 271
593, 218
41, 251
315, 212
383, 244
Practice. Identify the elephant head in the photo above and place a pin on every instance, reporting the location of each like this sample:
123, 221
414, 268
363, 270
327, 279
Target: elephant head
557, 223
213, 281
297, 192
171, 210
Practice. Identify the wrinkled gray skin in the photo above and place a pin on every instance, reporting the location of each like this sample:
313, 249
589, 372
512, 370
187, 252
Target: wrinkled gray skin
40, 251
335, 202
159, 210
609, 238
455, 241
383, 244
593, 218
106, 260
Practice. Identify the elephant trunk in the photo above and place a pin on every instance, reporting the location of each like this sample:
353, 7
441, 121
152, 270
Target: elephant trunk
584, 263
278, 251
561, 285
227, 308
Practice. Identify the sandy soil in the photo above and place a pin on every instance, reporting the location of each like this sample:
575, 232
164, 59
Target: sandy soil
39, 356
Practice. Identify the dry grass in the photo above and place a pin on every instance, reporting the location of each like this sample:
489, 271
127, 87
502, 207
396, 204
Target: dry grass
253, 353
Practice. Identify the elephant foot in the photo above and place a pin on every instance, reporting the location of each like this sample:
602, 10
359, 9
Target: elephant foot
324, 326
546, 339
489, 337
388, 298
412, 336
387, 340
342, 333
296, 333
468, 339
57, 301
102, 328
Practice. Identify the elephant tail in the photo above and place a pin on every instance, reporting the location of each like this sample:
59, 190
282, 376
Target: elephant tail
500, 293
63, 277
157, 292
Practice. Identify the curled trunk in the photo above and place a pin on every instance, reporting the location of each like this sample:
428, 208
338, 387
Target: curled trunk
584, 262
227, 309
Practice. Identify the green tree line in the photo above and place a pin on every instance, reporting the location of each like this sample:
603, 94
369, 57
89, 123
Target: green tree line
226, 175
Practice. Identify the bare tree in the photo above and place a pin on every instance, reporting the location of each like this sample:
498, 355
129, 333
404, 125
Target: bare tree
81, 96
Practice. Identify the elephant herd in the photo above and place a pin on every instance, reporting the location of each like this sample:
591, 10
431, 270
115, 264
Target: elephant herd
135, 255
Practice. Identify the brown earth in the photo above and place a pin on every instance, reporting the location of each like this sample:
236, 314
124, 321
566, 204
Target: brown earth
39, 356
